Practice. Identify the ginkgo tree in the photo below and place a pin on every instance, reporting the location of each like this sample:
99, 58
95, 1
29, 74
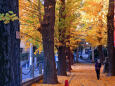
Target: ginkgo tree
75, 40
67, 17
38, 18
94, 16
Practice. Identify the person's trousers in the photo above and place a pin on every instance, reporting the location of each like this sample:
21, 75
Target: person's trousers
98, 73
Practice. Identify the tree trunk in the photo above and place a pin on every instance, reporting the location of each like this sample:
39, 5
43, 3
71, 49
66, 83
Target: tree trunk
62, 61
9, 47
110, 26
50, 76
62, 48
71, 57
68, 54
39, 9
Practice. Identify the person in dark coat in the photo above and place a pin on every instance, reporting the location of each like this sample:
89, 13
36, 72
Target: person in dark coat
97, 68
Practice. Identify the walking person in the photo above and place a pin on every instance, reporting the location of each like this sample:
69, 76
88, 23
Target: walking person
97, 68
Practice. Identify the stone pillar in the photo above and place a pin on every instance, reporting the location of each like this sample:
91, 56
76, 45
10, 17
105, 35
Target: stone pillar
35, 62
31, 65
31, 55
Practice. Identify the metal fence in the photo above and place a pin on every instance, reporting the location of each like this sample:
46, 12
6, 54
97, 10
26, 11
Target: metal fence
31, 71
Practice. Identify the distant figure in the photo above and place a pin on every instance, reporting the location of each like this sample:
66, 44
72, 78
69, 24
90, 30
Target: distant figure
97, 68
81, 57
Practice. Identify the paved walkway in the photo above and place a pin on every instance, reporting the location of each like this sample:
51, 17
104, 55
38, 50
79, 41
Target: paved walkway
83, 75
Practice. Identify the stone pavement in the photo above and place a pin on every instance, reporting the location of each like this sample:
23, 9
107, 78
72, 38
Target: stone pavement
83, 75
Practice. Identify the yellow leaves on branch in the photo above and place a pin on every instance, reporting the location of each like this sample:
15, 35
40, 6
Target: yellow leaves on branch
94, 15
29, 13
30, 22
75, 38
96, 33
72, 17
7, 17
92, 8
